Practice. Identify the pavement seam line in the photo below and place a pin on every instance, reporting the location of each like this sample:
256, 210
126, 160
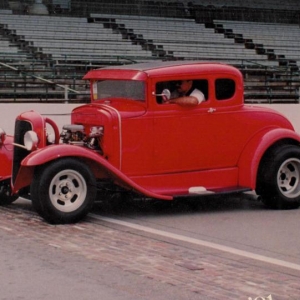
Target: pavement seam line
194, 241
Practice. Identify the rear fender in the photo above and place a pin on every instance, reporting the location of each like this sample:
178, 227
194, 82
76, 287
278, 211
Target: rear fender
100, 167
251, 156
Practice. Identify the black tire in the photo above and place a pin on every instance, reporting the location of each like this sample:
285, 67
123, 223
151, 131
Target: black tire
63, 191
5, 193
279, 178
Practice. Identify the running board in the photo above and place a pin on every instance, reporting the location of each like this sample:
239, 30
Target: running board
201, 191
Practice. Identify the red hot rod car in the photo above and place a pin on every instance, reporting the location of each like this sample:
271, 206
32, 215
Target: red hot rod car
132, 137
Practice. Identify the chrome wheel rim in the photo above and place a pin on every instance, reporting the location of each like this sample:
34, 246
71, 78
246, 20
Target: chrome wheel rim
67, 190
288, 178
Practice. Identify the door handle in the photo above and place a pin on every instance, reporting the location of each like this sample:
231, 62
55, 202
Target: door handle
211, 110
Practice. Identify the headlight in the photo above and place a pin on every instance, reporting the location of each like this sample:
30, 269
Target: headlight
2, 136
30, 140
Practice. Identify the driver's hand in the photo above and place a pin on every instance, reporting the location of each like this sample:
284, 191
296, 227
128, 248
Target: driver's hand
165, 99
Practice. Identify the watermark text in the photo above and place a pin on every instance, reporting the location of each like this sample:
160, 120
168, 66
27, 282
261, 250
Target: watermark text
261, 298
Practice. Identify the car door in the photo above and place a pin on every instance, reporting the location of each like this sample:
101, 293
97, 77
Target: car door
204, 137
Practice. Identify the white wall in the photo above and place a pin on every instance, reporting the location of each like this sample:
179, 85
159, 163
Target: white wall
60, 113
291, 111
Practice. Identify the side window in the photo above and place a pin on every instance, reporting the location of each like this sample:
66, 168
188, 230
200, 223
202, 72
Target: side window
225, 89
175, 90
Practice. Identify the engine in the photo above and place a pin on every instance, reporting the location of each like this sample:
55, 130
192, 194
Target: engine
76, 135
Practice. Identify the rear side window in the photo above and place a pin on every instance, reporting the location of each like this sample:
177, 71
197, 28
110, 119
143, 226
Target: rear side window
225, 88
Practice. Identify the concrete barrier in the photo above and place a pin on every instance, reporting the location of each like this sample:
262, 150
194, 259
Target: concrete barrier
60, 113
291, 111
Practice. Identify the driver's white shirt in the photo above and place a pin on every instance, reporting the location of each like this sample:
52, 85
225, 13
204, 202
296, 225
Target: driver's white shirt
195, 93
198, 95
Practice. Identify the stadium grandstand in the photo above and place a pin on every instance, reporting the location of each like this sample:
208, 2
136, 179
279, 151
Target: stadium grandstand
47, 46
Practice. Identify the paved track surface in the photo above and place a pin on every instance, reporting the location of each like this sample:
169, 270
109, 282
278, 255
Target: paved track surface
96, 258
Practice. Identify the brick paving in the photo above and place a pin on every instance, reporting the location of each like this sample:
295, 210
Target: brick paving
208, 273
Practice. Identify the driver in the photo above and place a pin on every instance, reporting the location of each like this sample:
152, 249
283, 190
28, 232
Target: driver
185, 94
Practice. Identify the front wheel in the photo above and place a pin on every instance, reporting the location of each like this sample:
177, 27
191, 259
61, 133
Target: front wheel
63, 191
279, 179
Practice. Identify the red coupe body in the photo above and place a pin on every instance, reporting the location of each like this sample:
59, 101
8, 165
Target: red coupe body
129, 136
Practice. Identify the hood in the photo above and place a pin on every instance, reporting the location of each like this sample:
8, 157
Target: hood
100, 112
126, 108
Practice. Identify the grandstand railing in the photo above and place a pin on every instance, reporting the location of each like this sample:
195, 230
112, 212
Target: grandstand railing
270, 84
27, 86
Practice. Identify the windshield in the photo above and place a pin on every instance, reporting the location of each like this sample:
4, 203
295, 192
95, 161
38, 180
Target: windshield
128, 89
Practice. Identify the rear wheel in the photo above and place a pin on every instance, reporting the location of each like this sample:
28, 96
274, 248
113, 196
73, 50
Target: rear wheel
279, 178
63, 191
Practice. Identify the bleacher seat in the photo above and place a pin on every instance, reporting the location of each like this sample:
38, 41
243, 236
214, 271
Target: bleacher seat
107, 39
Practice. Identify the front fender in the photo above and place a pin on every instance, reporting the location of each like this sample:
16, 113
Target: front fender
6, 157
97, 162
253, 152
53, 152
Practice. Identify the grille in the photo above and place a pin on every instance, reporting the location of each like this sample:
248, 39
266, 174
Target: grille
21, 127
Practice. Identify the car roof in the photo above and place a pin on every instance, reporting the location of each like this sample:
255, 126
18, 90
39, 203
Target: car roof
141, 71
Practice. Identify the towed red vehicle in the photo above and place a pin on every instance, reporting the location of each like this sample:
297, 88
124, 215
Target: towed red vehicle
140, 135
6, 148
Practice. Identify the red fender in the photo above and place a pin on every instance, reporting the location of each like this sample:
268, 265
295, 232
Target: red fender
250, 158
6, 157
54, 152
